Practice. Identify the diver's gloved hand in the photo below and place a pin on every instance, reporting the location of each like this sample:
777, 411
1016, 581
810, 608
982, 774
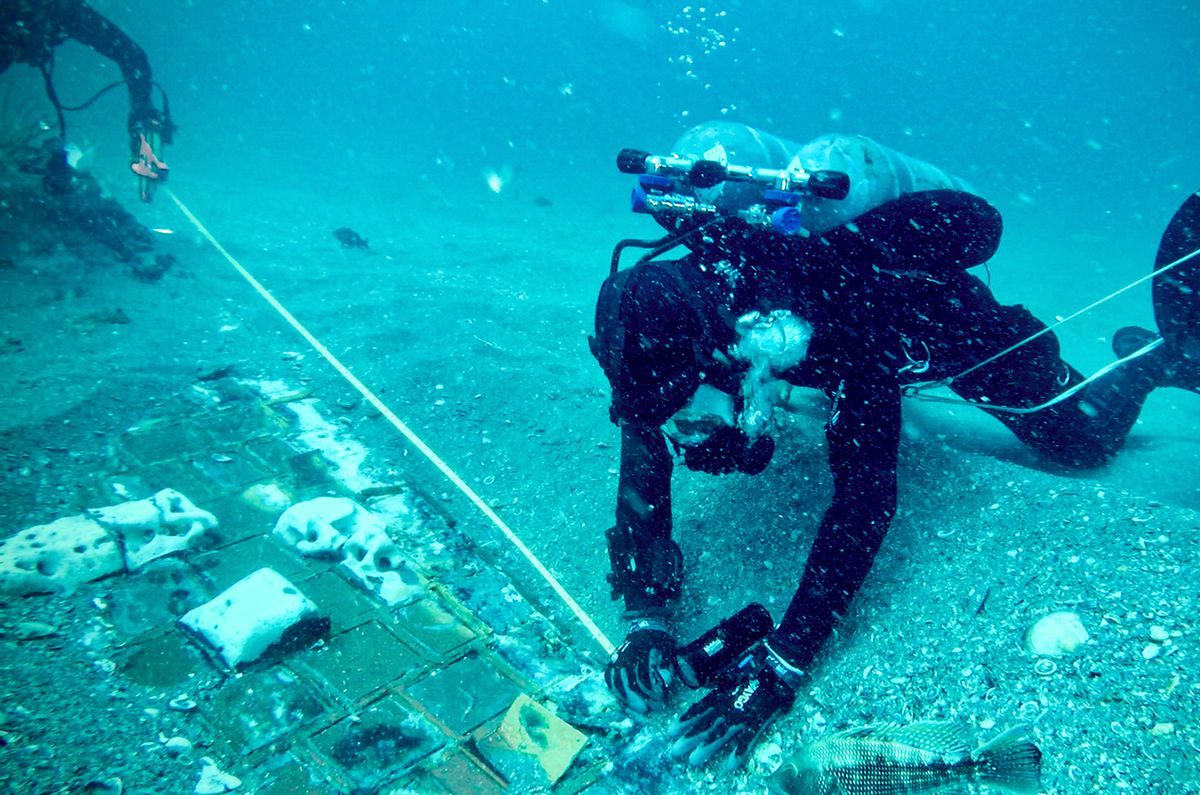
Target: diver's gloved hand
744, 702
642, 670
727, 450
149, 119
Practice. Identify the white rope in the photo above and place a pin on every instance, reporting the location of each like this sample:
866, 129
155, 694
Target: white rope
407, 432
1057, 398
917, 390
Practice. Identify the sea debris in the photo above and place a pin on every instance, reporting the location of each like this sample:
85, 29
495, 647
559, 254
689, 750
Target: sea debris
150, 272
161, 525
57, 557
28, 630
333, 526
1056, 635
349, 238
257, 612
213, 780
928, 756
104, 786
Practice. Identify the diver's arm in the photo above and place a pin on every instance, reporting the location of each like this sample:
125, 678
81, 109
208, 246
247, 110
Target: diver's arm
864, 437
90, 28
645, 561
646, 571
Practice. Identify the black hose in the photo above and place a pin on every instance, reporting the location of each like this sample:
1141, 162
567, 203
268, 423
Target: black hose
615, 262
659, 246
48, 76
93, 98
168, 127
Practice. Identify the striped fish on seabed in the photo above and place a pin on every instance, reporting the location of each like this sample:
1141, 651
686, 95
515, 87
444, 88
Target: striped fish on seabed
926, 757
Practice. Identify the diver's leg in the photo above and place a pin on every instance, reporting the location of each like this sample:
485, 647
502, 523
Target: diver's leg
967, 325
1084, 430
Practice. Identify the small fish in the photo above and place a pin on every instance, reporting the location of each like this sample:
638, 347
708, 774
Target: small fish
926, 757
349, 238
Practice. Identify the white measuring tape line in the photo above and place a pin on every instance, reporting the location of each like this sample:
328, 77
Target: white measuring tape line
917, 390
399, 425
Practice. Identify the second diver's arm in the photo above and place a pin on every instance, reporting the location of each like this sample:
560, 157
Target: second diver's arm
90, 28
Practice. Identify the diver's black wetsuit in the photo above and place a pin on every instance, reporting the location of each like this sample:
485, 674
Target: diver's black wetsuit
31, 29
884, 303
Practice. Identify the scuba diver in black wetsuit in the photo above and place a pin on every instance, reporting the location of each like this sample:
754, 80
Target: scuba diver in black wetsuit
840, 266
29, 32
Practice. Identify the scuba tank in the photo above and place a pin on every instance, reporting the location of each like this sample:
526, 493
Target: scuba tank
726, 168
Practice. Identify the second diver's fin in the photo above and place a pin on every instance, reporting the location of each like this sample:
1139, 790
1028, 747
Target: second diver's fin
1177, 291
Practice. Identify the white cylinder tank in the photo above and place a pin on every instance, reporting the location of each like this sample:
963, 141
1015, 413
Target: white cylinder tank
877, 173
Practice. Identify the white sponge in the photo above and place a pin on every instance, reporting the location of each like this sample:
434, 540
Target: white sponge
155, 527
251, 615
58, 556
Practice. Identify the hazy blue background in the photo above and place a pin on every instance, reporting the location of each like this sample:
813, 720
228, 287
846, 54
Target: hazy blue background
1090, 107
1078, 120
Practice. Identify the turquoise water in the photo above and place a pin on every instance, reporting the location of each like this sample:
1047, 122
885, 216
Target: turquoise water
473, 143
1080, 110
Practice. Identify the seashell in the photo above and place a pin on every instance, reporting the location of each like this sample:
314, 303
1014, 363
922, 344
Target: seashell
177, 746
182, 704
1056, 635
1162, 729
1159, 634
1045, 667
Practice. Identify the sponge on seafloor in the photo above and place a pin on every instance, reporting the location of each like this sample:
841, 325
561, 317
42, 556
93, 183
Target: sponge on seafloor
59, 556
152, 528
255, 613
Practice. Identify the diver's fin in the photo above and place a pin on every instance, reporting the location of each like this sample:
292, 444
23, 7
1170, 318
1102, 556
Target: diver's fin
1131, 339
1170, 368
1177, 291
1010, 763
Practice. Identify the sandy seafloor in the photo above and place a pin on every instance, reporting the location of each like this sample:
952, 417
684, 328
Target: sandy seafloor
469, 316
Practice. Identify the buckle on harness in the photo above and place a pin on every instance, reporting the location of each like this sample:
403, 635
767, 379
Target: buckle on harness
916, 365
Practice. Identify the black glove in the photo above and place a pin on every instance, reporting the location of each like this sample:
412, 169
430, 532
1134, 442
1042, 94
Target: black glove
730, 450
760, 688
643, 668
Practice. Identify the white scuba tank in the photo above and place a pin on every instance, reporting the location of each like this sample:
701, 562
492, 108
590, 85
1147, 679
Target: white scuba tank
877, 174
